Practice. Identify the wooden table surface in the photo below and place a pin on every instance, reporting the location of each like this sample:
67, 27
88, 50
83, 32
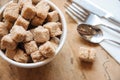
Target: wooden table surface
66, 65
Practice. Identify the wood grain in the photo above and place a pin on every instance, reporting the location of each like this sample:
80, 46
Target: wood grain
66, 65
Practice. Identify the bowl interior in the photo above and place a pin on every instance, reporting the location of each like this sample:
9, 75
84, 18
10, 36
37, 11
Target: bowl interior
62, 40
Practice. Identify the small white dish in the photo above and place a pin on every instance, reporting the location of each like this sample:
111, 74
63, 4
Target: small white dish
62, 40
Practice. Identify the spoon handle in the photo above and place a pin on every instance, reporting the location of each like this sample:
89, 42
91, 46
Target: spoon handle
117, 43
116, 30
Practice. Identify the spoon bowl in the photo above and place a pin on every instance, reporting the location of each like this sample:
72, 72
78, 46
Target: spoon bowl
90, 33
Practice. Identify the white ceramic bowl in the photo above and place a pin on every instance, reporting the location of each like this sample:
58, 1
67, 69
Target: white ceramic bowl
38, 64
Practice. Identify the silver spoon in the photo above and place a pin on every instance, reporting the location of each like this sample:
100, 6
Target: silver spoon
92, 33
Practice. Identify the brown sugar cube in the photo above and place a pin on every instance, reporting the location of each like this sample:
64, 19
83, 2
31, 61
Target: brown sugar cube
35, 1
22, 22
28, 11
36, 21
53, 16
55, 42
54, 45
21, 3
87, 55
60, 25
10, 53
21, 56
40, 34
11, 12
47, 49
8, 25
92, 55
18, 33
42, 9
29, 36
53, 28
3, 29
8, 43
37, 57
30, 47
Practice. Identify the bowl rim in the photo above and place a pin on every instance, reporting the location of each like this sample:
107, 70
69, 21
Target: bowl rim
62, 41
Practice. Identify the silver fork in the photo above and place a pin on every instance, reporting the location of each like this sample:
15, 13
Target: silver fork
79, 14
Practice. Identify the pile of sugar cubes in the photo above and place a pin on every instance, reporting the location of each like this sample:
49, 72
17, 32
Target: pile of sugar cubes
30, 31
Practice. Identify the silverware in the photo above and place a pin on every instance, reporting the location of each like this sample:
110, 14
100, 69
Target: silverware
76, 12
95, 9
81, 15
92, 33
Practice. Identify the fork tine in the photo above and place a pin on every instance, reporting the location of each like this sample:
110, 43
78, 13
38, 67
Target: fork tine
74, 17
78, 12
73, 13
75, 9
80, 9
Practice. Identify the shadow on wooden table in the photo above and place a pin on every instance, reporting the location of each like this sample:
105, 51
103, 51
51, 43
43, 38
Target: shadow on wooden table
86, 65
40, 73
